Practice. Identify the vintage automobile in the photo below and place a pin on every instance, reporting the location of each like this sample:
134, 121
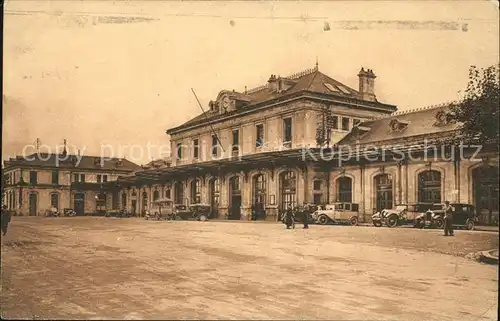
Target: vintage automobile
464, 215
161, 209
182, 212
200, 212
121, 213
432, 218
402, 214
338, 213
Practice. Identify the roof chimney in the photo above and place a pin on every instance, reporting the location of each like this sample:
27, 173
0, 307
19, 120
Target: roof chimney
273, 83
367, 84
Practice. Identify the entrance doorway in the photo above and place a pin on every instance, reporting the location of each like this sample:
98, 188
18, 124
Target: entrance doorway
134, 207
485, 186
33, 200
214, 196
287, 184
234, 199
79, 204
383, 192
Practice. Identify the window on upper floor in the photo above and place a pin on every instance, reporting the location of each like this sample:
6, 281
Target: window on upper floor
335, 122
259, 135
82, 178
345, 123
55, 177
33, 177
356, 122
236, 140
287, 132
98, 178
76, 178
215, 146
179, 150
196, 148
104, 178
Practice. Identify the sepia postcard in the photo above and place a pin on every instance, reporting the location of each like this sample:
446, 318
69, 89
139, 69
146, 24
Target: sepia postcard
250, 160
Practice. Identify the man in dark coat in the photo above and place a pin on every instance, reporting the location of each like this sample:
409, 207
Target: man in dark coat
448, 219
6, 216
305, 216
289, 218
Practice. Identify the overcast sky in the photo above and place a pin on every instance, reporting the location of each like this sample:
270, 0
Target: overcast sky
120, 72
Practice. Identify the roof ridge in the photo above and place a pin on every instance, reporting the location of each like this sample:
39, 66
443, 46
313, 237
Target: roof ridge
416, 110
294, 76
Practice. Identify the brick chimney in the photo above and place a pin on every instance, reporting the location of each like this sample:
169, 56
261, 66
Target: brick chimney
272, 83
367, 84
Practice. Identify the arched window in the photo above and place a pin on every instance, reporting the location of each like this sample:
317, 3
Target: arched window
156, 195
383, 192
344, 189
144, 200
259, 189
287, 183
54, 200
429, 187
195, 192
168, 193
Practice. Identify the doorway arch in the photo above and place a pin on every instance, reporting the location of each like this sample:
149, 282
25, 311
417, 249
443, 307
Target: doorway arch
383, 192
288, 190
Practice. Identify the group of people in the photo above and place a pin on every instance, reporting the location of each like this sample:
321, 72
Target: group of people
289, 217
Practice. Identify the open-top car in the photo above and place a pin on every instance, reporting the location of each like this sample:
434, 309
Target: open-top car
402, 214
464, 215
338, 213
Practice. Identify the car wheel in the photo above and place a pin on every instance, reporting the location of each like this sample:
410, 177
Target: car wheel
439, 222
470, 225
392, 221
377, 223
354, 221
323, 219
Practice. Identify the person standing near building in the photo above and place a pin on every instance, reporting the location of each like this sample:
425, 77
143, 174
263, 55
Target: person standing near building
448, 219
6, 216
305, 216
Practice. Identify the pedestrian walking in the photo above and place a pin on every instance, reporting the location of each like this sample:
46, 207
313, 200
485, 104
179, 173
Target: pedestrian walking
289, 218
5, 217
448, 219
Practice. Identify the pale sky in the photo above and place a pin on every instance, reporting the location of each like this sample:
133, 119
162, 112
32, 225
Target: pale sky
121, 72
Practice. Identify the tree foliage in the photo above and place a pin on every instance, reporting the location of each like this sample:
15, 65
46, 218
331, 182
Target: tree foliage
478, 109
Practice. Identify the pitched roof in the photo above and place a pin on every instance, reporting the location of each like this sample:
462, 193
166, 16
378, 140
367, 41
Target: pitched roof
311, 80
415, 123
72, 161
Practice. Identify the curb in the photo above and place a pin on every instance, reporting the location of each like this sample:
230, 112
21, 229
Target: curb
489, 257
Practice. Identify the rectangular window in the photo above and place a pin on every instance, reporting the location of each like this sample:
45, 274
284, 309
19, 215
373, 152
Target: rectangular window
98, 178
179, 150
345, 123
33, 177
215, 145
335, 122
236, 140
259, 140
196, 148
82, 178
287, 132
76, 178
55, 177
317, 185
104, 178
356, 122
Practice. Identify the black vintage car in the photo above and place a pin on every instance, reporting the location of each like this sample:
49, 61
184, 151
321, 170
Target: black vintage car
464, 215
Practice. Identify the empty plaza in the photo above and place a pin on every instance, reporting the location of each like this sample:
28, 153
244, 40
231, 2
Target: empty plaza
110, 268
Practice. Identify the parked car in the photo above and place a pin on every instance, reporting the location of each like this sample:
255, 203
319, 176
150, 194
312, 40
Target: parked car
118, 213
402, 214
464, 215
182, 212
161, 209
338, 213
200, 212
432, 218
